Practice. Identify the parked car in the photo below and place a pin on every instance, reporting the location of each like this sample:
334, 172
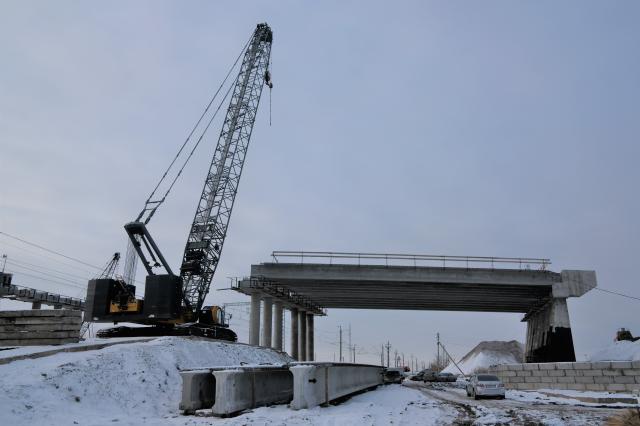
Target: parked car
419, 376
485, 385
429, 376
445, 377
393, 375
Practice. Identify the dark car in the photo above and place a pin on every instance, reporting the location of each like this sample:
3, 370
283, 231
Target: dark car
393, 375
445, 377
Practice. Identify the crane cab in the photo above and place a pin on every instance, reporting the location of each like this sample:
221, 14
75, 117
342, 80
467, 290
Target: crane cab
212, 315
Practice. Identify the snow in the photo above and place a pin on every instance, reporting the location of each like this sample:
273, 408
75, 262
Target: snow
391, 404
618, 351
538, 397
129, 383
481, 360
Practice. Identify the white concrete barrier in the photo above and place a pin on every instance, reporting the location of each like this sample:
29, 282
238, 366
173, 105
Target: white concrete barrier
198, 390
249, 387
320, 383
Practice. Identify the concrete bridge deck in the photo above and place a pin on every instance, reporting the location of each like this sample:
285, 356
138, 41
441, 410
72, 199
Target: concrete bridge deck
408, 287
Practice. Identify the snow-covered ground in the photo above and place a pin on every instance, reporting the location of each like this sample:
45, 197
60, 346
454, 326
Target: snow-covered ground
128, 384
486, 354
618, 351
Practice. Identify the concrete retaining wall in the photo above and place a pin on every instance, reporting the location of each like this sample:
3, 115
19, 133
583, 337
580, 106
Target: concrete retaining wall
39, 327
316, 384
612, 376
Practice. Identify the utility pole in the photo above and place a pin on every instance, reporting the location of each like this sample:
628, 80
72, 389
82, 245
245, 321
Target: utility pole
438, 347
354, 353
4, 256
395, 358
349, 340
402, 361
388, 348
382, 355
340, 328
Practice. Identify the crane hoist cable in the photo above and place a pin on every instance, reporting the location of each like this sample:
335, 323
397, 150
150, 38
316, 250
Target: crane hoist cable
151, 205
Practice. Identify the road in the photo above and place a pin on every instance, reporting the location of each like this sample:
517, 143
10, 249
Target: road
509, 411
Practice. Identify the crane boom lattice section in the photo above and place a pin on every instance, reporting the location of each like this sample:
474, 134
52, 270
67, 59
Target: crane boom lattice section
209, 228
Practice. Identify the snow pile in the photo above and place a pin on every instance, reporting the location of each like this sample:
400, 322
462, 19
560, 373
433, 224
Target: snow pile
623, 350
128, 384
486, 354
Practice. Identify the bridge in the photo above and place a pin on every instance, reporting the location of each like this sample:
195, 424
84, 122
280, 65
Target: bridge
316, 281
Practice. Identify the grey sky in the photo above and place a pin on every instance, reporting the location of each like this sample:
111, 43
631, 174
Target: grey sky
503, 128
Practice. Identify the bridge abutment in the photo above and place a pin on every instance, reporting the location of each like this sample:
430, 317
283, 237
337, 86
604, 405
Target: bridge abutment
549, 337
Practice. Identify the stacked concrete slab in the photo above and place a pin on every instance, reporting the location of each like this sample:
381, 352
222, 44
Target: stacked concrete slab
39, 327
612, 376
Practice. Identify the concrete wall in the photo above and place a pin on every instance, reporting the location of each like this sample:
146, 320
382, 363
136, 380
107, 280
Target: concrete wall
39, 327
612, 376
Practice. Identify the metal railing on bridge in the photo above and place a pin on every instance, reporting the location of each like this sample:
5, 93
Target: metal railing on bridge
392, 259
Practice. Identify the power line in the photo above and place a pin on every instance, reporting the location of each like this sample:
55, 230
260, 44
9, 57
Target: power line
617, 294
50, 251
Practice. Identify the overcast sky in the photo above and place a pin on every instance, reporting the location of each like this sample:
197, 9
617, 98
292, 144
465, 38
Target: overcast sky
503, 128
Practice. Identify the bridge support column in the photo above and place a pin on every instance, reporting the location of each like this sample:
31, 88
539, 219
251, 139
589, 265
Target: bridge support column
276, 342
310, 348
302, 335
549, 336
254, 320
267, 321
294, 334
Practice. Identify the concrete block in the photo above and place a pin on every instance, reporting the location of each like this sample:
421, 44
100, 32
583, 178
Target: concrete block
631, 372
576, 386
540, 373
584, 379
547, 366
532, 379
615, 387
621, 364
556, 373
528, 386
595, 387
560, 386
611, 372
635, 388
624, 379
637, 379
23, 335
592, 373
498, 368
566, 379
582, 366
39, 342
635, 364
564, 365
507, 374
603, 379
523, 373
198, 390
251, 387
548, 379
320, 383
513, 367
532, 366
516, 379
572, 372
601, 364
41, 313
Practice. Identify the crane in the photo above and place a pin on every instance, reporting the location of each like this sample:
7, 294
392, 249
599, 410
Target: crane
178, 297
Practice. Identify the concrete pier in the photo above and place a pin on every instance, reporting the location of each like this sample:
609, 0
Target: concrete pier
254, 320
294, 334
267, 322
310, 348
276, 342
302, 335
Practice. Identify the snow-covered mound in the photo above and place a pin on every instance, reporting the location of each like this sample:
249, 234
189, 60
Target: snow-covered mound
124, 384
618, 351
486, 354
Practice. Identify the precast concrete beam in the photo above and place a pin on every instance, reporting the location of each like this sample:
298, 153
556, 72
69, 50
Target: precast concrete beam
294, 334
276, 342
310, 330
267, 322
302, 335
254, 320
251, 387
320, 383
